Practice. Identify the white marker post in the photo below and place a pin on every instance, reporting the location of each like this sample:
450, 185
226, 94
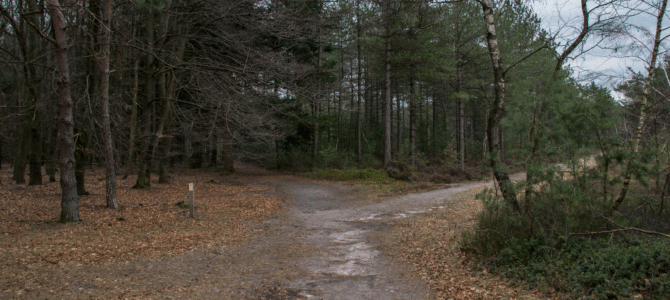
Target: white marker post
191, 201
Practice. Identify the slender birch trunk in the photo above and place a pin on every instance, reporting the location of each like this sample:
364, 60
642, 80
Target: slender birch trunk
643, 104
497, 109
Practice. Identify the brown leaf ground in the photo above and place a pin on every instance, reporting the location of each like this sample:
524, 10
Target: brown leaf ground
431, 243
148, 225
38, 255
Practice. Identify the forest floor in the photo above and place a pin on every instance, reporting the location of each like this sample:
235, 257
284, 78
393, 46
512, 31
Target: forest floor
256, 235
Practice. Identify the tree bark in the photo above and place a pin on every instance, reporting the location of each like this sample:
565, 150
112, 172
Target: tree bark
160, 137
19, 167
582, 34
69, 198
643, 104
339, 100
34, 165
497, 109
227, 166
50, 154
163, 177
130, 162
110, 173
461, 113
398, 120
412, 120
317, 109
387, 91
2, 141
144, 173
81, 146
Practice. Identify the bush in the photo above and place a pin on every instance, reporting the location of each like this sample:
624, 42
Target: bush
592, 268
398, 170
537, 245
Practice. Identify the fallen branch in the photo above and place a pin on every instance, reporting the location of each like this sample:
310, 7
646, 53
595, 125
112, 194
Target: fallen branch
620, 230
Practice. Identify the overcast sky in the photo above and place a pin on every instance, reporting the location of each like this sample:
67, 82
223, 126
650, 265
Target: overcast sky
604, 66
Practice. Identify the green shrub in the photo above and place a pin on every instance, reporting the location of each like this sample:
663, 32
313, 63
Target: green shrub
591, 268
538, 245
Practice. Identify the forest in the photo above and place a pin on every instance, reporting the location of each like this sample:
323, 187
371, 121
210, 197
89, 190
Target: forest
425, 90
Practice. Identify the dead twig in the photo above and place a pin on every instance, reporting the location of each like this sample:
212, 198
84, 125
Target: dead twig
621, 230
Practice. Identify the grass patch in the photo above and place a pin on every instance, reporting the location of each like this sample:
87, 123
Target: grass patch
376, 182
361, 175
182, 204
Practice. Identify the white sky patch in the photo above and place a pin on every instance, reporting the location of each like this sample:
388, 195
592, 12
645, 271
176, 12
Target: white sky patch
606, 66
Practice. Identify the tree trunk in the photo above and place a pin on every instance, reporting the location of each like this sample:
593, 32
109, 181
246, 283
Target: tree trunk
351, 147
144, 172
2, 141
317, 110
130, 162
501, 136
19, 151
19, 170
387, 94
69, 198
34, 163
227, 166
435, 121
188, 143
81, 142
412, 121
461, 114
162, 121
339, 100
643, 104
367, 97
497, 109
398, 120
50, 154
35, 167
163, 177
420, 135
110, 174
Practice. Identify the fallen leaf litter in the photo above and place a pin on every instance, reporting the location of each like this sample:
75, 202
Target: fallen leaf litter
149, 224
430, 242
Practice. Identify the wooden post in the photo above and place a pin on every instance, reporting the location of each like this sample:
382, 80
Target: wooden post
191, 201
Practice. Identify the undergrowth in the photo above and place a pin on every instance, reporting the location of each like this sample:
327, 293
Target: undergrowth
368, 174
566, 240
585, 268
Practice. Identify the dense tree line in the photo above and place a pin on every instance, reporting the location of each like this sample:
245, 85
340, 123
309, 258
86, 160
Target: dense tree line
293, 84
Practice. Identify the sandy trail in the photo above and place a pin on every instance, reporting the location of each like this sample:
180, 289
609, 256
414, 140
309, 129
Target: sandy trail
347, 262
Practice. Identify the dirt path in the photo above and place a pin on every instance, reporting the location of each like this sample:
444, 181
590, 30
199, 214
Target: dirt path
341, 226
325, 246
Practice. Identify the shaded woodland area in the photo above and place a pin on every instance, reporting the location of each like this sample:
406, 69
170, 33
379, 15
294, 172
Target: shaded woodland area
285, 84
306, 85
452, 89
